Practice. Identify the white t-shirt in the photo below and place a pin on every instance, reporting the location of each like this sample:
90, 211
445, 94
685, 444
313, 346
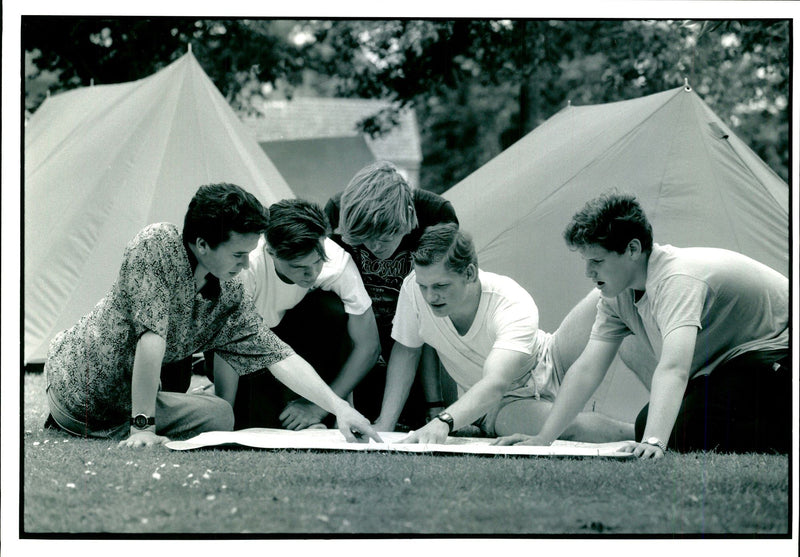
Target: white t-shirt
273, 297
737, 304
507, 318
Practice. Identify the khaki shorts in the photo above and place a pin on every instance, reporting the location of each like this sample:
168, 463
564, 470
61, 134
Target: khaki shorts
542, 385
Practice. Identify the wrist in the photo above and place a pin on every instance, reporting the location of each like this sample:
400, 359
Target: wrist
655, 442
445, 419
149, 429
339, 405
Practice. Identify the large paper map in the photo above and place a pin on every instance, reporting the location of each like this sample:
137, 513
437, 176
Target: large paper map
332, 439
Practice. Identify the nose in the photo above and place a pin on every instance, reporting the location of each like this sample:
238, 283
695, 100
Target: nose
430, 296
589, 270
313, 272
245, 263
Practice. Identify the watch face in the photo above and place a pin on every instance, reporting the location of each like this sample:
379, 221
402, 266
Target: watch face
141, 421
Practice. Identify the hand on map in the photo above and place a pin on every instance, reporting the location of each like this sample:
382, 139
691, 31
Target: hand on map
355, 427
522, 439
434, 432
144, 438
642, 450
300, 413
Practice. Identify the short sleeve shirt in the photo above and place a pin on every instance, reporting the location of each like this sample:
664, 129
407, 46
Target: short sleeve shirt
507, 318
274, 297
89, 366
736, 303
384, 277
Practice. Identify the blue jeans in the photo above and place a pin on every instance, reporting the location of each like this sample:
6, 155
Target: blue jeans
177, 415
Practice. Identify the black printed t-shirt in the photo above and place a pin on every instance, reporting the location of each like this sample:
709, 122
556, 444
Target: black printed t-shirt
384, 277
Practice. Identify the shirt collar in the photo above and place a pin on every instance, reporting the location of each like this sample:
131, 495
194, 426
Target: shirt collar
211, 289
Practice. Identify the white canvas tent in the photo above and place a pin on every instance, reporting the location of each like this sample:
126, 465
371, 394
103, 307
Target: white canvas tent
698, 183
103, 162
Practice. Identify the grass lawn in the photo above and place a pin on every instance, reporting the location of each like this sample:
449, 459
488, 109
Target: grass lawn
75, 486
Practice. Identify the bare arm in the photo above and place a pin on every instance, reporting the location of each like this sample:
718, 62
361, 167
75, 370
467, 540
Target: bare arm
299, 376
363, 333
580, 382
146, 373
226, 380
501, 369
431, 384
400, 372
668, 387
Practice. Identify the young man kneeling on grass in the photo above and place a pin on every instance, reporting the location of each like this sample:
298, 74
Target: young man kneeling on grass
715, 321
309, 292
484, 328
177, 293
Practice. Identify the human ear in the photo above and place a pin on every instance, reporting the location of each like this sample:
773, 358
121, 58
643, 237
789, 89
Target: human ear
471, 272
635, 248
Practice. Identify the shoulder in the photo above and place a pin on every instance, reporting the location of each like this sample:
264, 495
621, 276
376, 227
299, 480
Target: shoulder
503, 286
432, 208
161, 231
337, 262
163, 238
409, 282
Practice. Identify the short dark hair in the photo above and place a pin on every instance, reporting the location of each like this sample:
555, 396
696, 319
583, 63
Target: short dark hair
216, 210
610, 221
446, 242
295, 229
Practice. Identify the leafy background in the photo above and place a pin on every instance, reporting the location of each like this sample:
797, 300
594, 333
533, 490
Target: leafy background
477, 85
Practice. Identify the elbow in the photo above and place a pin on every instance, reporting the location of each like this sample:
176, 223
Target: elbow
374, 351
496, 389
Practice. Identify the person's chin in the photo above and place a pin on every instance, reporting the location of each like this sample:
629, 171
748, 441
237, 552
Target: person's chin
605, 291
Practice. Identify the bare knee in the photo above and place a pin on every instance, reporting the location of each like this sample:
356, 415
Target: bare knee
522, 416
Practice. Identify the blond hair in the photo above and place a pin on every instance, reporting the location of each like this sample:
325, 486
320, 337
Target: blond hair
377, 202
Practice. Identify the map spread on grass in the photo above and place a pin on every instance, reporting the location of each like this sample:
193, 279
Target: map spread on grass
332, 439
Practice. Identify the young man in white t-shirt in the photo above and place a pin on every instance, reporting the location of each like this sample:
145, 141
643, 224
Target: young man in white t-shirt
310, 293
484, 328
715, 321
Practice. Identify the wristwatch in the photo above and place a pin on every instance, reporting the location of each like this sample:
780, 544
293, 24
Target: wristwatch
141, 421
655, 441
446, 418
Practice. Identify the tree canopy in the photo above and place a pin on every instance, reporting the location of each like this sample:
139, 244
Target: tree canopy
477, 85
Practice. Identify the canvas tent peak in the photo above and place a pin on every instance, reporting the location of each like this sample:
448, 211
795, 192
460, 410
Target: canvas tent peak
698, 183
102, 162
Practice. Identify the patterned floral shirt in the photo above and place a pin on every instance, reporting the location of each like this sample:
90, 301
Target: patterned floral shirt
89, 366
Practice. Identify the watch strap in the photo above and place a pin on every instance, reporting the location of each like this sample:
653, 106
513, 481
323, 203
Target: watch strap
141, 421
446, 418
656, 442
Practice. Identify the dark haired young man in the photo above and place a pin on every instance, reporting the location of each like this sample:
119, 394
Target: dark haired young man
176, 292
715, 321
309, 292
